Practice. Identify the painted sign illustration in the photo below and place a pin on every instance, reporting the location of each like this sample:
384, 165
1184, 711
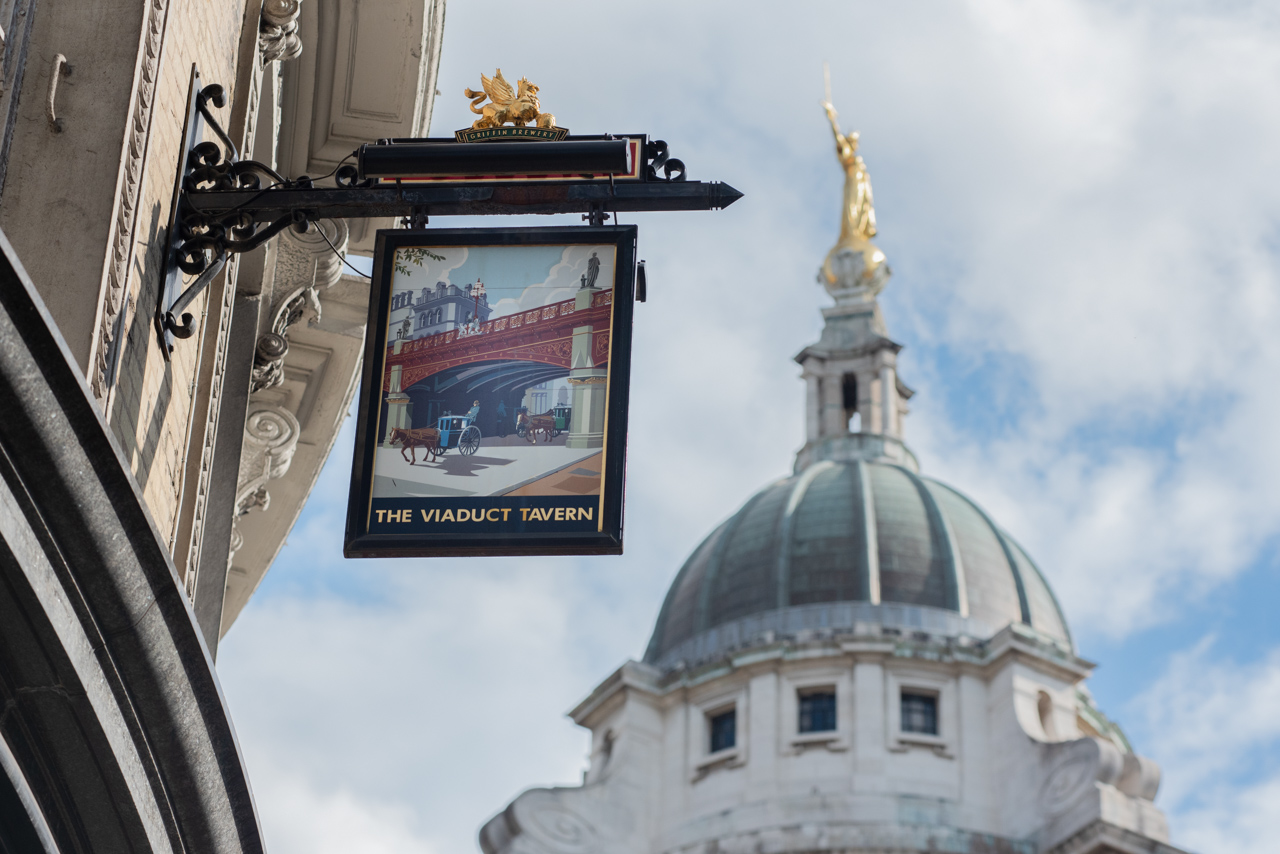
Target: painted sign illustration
494, 406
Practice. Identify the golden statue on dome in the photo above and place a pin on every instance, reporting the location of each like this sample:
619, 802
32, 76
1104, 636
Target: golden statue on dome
855, 267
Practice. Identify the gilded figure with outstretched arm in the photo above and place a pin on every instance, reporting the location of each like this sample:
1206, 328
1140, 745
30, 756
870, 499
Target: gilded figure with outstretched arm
858, 224
854, 268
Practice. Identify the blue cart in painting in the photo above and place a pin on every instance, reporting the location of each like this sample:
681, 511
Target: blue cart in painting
457, 431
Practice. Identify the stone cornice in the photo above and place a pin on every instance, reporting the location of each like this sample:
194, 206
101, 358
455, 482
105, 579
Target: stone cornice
633, 675
969, 656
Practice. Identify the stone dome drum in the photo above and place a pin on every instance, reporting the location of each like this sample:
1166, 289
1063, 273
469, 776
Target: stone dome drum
841, 547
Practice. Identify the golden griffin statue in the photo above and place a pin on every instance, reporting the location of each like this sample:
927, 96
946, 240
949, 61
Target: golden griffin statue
517, 106
855, 267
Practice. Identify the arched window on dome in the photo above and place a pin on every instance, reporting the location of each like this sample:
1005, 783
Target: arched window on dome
849, 400
1044, 705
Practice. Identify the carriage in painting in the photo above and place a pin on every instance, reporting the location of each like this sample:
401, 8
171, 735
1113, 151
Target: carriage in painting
563, 414
457, 431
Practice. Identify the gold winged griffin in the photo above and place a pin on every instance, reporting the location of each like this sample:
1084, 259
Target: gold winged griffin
506, 105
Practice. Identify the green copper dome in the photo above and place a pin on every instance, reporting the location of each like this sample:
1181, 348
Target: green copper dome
845, 544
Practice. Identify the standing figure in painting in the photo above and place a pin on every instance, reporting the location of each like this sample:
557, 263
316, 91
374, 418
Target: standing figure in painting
593, 270
502, 419
855, 267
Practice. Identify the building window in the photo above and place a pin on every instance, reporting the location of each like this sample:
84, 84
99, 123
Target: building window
724, 730
919, 713
849, 400
1044, 705
818, 711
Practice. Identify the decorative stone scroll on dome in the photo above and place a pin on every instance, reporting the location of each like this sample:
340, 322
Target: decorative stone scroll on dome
560, 821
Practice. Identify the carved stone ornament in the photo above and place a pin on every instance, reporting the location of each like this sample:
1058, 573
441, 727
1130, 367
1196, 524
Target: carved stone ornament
268, 361
124, 220
300, 257
560, 821
278, 31
270, 439
1073, 767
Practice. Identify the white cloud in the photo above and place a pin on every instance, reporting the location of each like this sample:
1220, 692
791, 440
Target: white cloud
431, 271
1210, 726
562, 282
303, 820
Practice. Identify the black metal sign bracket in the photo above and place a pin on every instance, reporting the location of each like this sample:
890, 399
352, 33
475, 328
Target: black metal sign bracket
223, 205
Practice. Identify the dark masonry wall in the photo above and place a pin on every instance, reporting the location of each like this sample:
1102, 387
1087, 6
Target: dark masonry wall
113, 733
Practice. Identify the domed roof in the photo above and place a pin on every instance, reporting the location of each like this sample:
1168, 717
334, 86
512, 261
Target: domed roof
845, 544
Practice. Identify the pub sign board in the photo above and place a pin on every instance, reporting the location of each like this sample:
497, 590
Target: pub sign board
493, 404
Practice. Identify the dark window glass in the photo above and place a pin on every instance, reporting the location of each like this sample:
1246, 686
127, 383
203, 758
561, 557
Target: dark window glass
724, 730
919, 713
818, 711
849, 392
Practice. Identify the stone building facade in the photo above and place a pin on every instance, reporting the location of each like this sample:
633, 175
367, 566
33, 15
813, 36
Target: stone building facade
859, 660
182, 471
259, 390
443, 308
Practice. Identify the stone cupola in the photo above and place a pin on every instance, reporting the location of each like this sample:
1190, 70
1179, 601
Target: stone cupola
854, 402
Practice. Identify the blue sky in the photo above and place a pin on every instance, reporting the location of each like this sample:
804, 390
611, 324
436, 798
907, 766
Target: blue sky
1076, 200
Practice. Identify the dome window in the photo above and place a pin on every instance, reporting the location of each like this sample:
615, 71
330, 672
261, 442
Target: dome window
849, 401
919, 713
818, 710
724, 730
1044, 705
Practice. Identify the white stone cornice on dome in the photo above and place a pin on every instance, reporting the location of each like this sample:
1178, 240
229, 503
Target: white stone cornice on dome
634, 675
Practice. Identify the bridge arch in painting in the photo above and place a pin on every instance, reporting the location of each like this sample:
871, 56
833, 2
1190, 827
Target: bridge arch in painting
498, 361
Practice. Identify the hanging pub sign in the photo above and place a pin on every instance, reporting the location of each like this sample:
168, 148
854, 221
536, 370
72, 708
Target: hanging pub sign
493, 405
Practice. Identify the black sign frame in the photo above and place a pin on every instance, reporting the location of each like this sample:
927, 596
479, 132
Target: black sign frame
424, 534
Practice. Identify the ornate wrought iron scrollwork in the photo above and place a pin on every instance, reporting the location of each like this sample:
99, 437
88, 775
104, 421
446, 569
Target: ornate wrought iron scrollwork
203, 242
656, 153
348, 178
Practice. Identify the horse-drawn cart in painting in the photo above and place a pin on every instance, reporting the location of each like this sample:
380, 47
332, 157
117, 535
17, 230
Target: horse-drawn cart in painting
457, 431
563, 414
